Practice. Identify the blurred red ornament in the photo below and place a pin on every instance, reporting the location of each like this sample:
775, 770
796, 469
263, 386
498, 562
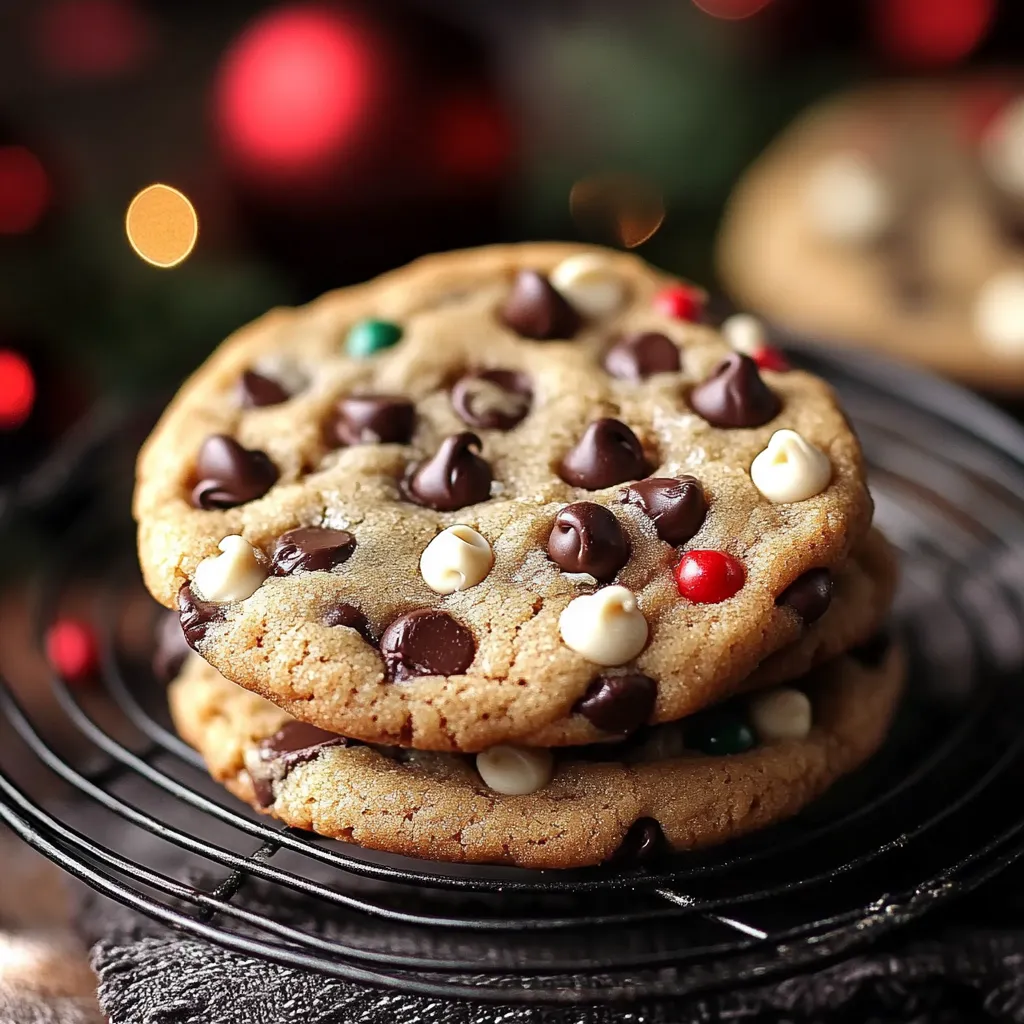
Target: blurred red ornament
473, 137
24, 190
680, 303
731, 10
17, 389
92, 38
72, 650
931, 32
293, 89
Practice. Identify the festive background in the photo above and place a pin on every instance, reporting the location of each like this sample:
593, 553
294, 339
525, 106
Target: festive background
320, 143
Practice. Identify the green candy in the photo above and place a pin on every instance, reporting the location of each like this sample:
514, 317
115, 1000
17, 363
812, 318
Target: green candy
719, 734
368, 337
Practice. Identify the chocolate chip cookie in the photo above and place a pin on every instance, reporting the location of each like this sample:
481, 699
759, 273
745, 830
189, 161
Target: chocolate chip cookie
481, 486
722, 773
893, 216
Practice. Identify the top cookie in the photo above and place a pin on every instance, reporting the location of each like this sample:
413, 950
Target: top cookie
892, 216
523, 481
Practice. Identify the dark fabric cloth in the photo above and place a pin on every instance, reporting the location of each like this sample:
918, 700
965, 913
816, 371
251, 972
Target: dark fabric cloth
948, 970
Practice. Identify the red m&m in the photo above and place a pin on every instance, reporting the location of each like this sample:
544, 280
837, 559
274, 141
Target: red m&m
768, 358
680, 303
707, 577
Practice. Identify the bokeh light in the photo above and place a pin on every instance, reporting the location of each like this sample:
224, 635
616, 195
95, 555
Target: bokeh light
731, 10
92, 38
17, 389
473, 137
162, 225
24, 190
619, 208
292, 90
931, 32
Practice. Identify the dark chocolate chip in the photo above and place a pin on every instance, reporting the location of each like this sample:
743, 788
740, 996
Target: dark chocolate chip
677, 507
171, 647
873, 651
372, 419
230, 475
639, 356
586, 537
735, 395
255, 390
535, 309
643, 843
809, 595
195, 615
608, 453
311, 549
426, 642
455, 477
492, 399
619, 704
293, 744
344, 614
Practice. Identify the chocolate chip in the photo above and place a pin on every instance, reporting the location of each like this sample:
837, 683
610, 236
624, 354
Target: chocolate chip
230, 475
492, 399
619, 704
608, 453
873, 651
255, 390
535, 309
344, 614
372, 419
809, 595
455, 477
735, 395
586, 537
643, 843
425, 642
639, 356
171, 647
676, 506
311, 549
195, 615
293, 744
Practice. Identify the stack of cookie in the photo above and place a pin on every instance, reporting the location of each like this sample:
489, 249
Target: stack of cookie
503, 557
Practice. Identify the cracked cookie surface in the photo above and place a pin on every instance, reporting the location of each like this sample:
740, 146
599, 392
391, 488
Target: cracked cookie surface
425, 400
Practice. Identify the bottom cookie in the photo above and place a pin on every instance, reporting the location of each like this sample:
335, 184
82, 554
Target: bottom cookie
720, 774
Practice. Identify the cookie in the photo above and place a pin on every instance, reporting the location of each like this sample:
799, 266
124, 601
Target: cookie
686, 785
893, 217
504, 488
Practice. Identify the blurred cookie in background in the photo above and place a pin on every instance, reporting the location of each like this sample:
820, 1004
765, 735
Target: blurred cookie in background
893, 217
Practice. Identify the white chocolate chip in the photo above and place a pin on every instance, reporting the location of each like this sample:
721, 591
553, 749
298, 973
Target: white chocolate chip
744, 333
782, 714
456, 559
790, 469
999, 313
515, 771
589, 283
847, 200
233, 575
607, 628
1002, 149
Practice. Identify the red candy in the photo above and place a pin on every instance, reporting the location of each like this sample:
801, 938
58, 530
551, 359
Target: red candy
707, 577
72, 650
768, 358
680, 303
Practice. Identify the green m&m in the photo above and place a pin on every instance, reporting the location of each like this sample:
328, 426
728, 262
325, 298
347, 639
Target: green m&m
719, 733
368, 337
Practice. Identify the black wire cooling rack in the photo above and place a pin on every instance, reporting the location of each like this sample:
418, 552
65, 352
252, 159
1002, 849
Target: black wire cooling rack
934, 815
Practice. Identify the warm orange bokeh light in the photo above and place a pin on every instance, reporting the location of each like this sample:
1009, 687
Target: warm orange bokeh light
619, 208
162, 225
